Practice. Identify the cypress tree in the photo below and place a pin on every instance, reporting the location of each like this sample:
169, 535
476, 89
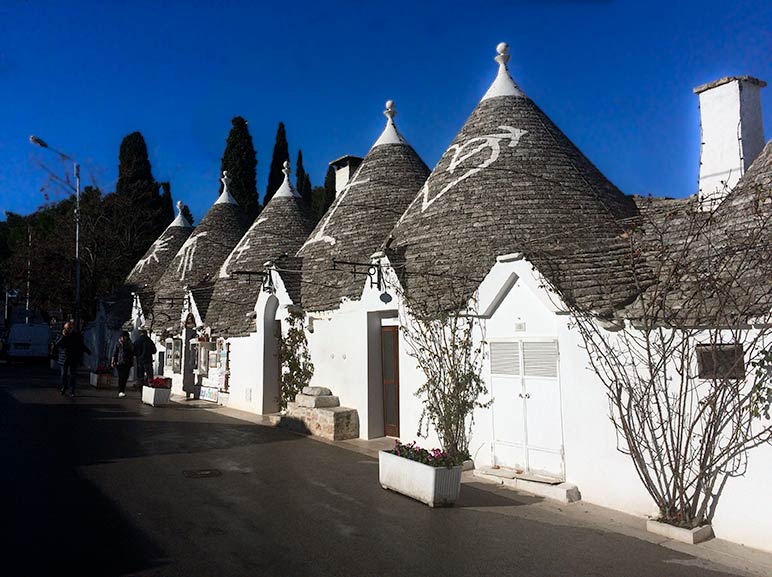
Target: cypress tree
307, 189
280, 155
136, 186
329, 188
240, 160
134, 174
167, 205
324, 196
187, 214
136, 214
303, 180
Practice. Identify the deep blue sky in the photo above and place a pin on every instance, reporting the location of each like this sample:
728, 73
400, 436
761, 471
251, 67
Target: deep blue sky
617, 77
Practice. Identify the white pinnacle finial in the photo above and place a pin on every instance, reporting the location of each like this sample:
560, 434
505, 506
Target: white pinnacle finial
286, 190
180, 219
390, 111
225, 196
503, 53
225, 180
503, 85
390, 134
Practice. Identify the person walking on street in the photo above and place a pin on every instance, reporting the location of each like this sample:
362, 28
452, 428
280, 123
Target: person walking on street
70, 348
144, 349
123, 359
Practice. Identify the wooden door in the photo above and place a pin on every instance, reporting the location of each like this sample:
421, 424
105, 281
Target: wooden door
390, 373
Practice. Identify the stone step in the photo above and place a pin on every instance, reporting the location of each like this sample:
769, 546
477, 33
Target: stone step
316, 402
561, 491
317, 391
334, 423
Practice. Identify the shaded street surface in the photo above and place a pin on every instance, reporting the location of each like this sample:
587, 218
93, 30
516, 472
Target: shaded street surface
101, 486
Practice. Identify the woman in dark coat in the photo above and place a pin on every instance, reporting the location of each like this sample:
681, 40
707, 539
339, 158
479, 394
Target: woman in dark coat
123, 359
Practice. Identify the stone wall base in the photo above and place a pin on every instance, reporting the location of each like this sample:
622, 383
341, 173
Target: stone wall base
334, 423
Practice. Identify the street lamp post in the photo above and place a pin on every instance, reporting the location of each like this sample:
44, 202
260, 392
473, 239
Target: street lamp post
76, 172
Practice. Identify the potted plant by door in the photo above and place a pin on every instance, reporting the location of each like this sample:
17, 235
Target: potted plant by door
430, 476
157, 392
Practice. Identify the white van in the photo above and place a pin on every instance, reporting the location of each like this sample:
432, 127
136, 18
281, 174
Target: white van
31, 341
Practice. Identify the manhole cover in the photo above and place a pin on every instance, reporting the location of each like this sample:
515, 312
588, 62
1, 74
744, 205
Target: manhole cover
202, 473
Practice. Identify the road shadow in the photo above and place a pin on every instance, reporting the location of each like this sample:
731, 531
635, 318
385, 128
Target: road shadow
485, 495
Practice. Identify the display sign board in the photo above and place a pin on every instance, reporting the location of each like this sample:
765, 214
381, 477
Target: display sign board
177, 356
209, 394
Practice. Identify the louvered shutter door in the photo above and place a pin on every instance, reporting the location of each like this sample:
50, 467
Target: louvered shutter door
540, 359
505, 359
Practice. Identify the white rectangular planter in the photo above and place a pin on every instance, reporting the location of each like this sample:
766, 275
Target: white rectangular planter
100, 380
691, 536
435, 486
156, 396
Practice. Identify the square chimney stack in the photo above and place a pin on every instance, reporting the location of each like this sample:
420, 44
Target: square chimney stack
344, 167
732, 134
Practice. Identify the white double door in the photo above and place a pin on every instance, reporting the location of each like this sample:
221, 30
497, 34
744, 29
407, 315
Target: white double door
527, 415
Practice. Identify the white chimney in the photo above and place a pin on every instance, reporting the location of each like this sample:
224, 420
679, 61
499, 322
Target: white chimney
345, 167
732, 133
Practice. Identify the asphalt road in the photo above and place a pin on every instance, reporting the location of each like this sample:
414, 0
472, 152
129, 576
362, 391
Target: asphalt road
101, 486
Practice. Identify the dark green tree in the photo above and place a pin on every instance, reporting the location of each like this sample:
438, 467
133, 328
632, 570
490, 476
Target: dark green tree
187, 214
324, 196
303, 181
280, 156
167, 204
134, 172
240, 160
136, 214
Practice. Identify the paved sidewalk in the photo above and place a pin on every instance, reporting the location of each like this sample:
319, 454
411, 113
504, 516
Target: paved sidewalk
730, 556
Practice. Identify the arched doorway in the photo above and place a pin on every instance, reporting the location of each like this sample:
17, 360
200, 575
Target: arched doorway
271, 367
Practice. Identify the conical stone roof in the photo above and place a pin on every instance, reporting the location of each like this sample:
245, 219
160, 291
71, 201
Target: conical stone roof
512, 182
360, 218
712, 266
148, 270
279, 231
199, 259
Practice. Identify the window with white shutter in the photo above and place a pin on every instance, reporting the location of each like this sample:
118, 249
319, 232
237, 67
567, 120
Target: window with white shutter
505, 359
540, 359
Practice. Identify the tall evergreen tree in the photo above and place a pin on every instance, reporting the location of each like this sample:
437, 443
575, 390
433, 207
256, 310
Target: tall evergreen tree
187, 214
324, 196
280, 156
167, 204
240, 160
136, 213
134, 173
303, 180
329, 188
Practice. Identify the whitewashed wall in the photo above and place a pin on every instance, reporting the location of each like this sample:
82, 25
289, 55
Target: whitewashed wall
603, 474
343, 349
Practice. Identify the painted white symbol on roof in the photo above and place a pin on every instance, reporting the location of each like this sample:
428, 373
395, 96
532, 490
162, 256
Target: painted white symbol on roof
241, 248
188, 251
473, 148
320, 235
159, 245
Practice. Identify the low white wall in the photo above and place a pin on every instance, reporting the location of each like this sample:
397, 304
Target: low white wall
246, 361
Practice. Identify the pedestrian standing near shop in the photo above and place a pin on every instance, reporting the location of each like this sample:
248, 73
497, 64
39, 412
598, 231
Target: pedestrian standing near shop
144, 349
123, 359
69, 348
